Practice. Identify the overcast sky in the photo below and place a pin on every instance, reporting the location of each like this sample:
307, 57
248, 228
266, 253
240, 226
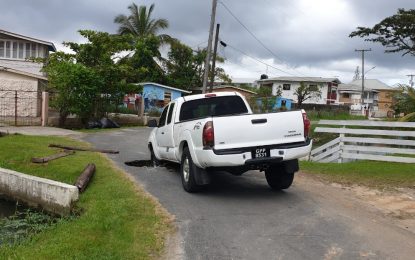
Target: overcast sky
306, 37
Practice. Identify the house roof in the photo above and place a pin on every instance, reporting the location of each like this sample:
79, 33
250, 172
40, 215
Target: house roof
372, 84
24, 73
240, 89
350, 88
50, 45
164, 86
302, 79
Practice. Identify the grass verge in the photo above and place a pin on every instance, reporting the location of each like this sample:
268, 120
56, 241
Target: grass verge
374, 174
117, 220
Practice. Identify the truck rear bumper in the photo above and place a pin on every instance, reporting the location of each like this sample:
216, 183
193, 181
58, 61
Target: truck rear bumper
243, 156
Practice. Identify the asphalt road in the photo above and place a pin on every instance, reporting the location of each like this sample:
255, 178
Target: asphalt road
240, 217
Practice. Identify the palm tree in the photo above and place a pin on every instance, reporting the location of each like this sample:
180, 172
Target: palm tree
140, 24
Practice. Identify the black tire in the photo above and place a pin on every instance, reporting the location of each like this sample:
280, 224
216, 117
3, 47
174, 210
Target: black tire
188, 178
154, 161
278, 178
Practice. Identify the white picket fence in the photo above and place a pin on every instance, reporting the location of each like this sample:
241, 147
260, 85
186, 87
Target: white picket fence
358, 145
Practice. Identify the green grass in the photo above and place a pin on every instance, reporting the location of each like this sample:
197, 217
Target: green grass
368, 173
116, 221
332, 115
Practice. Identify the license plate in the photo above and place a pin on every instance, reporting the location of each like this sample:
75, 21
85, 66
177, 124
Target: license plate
260, 153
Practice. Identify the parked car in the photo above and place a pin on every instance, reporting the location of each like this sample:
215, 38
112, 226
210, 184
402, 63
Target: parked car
218, 131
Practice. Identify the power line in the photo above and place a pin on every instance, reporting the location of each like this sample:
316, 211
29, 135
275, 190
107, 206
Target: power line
260, 61
252, 34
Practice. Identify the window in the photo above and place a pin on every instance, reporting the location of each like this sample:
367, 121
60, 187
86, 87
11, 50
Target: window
21, 47
313, 87
34, 50
27, 51
167, 97
286, 86
162, 121
1, 49
346, 95
8, 50
14, 50
214, 106
169, 117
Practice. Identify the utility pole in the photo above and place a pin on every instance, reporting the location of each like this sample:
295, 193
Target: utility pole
209, 47
363, 72
411, 81
215, 49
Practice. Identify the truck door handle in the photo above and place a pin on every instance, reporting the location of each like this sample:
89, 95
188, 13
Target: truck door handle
162, 133
259, 121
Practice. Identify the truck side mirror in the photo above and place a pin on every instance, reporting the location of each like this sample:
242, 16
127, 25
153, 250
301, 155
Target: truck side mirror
152, 123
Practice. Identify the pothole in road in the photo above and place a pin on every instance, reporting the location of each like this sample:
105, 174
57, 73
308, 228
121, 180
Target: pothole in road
172, 167
140, 163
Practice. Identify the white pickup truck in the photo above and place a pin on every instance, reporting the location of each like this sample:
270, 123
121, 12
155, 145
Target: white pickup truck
218, 131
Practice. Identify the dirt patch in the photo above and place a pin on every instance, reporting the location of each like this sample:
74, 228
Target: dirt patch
397, 203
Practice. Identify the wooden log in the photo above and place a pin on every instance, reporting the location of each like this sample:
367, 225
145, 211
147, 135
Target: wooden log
85, 177
83, 149
52, 157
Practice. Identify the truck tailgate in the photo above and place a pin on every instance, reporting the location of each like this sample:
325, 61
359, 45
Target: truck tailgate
258, 130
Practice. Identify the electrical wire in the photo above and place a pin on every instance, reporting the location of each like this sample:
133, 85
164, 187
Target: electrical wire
253, 35
260, 61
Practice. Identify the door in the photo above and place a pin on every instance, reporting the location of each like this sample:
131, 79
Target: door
160, 134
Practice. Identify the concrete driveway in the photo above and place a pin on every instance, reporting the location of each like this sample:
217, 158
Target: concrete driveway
239, 217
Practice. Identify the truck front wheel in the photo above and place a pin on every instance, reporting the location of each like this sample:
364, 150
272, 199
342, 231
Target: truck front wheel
278, 177
188, 170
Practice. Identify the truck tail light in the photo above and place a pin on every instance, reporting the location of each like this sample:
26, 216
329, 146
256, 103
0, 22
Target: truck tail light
307, 124
208, 135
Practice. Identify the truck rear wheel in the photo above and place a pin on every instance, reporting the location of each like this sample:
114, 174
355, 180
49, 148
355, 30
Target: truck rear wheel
188, 170
278, 177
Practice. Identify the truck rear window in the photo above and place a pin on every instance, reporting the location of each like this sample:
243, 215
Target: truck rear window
214, 106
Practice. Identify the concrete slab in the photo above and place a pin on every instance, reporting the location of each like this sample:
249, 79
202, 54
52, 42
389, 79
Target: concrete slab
52, 196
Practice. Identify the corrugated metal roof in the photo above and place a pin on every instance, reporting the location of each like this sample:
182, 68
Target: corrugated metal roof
240, 89
22, 73
49, 44
164, 86
372, 84
302, 79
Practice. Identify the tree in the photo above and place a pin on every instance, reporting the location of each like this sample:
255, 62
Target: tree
76, 86
89, 81
306, 91
140, 24
185, 67
396, 33
405, 102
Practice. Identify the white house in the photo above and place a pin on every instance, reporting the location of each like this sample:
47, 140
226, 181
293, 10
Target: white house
288, 86
20, 77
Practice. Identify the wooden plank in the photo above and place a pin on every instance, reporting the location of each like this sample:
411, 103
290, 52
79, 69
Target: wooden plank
378, 158
332, 158
364, 131
83, 149
325, 146
52, 157
326, 153
378, 141
378, 149
367, 123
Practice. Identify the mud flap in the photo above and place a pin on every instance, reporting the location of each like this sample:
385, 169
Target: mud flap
291, 165
202, 177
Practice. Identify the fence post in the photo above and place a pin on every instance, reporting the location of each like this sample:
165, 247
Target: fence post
15, 108
45, 108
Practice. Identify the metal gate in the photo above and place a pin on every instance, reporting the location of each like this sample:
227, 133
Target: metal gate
20, 108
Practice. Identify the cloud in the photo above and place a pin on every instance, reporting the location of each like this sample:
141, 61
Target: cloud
307, 37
